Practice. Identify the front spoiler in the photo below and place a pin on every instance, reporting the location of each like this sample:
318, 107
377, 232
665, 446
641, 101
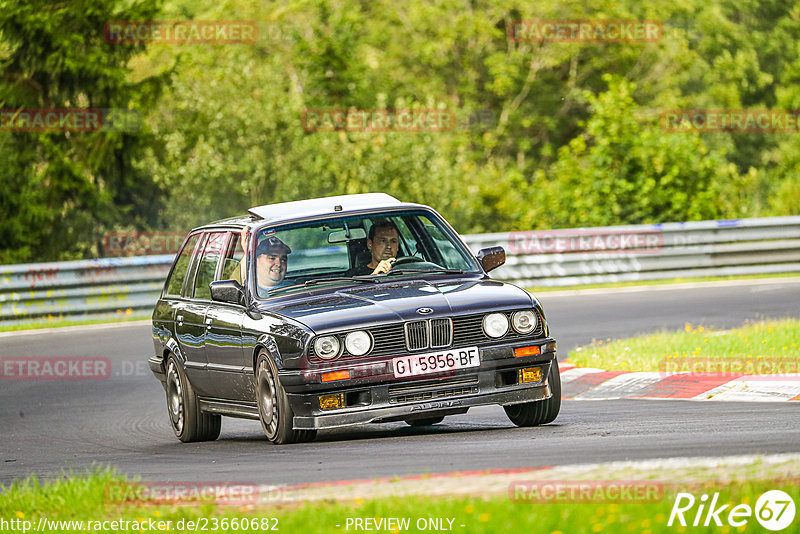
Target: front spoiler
382, 410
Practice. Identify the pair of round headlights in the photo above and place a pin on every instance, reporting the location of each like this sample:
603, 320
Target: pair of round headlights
496, 324
357, 343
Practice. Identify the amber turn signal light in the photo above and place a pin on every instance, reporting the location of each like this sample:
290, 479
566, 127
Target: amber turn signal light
527, 351
336, 375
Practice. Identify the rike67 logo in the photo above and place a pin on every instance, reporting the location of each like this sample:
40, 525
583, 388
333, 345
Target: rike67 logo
774, 510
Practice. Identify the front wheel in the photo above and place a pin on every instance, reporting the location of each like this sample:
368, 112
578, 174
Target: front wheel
273, 406
539, 412
185, 417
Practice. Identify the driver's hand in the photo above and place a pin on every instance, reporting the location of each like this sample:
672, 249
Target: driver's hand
384, 266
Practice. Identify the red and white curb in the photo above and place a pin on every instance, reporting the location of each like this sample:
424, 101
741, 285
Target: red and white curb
583, 383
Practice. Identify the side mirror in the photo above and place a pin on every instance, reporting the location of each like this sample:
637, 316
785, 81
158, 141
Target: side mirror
229, 291
491, 258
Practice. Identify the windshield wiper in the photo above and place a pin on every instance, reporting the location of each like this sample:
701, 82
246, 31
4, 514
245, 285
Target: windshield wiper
365, 278
441, 270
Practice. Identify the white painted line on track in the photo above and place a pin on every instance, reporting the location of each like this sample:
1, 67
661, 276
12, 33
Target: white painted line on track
755, 389
622, 386
576, 372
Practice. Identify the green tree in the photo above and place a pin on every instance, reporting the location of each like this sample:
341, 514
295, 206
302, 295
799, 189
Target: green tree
59, 191
625, 170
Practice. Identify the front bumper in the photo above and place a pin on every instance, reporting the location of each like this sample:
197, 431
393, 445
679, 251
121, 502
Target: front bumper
490, 384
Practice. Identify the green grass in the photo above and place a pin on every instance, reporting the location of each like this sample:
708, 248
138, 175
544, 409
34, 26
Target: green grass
84, 498
56, 323
668, 281
760, 348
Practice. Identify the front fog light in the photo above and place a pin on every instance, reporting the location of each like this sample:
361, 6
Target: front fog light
358, 343
524, 322
327, 347
331, 402
531, 374
495, 325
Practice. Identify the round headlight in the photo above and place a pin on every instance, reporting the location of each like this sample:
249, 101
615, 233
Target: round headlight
358, 343
495, 325
524, 322
327, 347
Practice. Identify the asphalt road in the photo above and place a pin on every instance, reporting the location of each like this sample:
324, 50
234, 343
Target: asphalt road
49, 426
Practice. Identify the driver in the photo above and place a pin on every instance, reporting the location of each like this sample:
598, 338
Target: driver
271, 262
383, 243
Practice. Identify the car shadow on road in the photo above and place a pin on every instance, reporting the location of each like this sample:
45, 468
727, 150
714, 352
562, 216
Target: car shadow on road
381, 431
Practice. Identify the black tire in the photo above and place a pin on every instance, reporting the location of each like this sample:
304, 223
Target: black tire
425, 422
185, 417
273, 406
539, 412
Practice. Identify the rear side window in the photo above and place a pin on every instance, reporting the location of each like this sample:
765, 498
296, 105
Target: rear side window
232, 265
207, 268
175, 284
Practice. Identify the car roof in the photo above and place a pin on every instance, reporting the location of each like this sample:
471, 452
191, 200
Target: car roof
334, 206
337, 205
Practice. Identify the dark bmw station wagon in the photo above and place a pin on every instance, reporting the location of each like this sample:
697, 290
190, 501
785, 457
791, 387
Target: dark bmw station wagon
340, 311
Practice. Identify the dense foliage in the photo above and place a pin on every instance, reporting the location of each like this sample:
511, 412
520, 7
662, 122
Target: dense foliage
549, 134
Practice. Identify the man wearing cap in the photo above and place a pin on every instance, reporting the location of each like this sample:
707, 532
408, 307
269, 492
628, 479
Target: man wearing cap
271, 263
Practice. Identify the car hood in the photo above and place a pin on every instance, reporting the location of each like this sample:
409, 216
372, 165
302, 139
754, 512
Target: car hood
392, 301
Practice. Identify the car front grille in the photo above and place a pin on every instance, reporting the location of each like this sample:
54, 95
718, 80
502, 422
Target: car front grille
433, 333
417, 335
441, 333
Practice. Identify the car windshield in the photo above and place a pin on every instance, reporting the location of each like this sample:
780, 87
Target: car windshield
348, 250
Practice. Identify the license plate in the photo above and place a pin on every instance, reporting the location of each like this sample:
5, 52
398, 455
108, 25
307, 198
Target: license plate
436, 362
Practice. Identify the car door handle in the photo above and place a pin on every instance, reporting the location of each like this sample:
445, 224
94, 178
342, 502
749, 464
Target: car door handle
208, 323
180, 320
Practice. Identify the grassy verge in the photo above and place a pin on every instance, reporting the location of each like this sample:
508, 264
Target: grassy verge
669, 281
761, 348
66, 322
84, 499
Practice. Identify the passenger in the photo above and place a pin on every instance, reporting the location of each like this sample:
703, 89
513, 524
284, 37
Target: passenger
271, 263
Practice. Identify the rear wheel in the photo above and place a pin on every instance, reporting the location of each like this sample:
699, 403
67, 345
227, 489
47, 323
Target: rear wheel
425, 422
188, 422
539, 412
273, 406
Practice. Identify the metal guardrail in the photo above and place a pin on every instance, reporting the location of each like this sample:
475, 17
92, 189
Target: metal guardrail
85, 289
646, 252
117, 287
